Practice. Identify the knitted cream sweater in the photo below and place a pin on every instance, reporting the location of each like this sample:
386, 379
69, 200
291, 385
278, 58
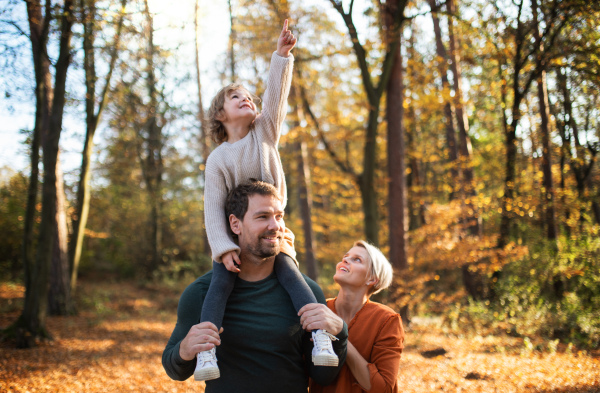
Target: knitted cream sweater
254, 156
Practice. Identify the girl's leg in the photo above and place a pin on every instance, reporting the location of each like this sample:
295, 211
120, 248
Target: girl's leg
213, 309
291, 279
221, 285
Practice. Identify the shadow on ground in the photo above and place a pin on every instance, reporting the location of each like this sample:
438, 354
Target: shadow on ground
574, 389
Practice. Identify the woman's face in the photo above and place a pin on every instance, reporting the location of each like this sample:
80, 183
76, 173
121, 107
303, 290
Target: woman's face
353, 269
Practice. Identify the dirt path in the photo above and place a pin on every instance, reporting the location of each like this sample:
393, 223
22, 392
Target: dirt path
116, 342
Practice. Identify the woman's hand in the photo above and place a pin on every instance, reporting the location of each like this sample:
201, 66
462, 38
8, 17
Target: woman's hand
315, 316
231, 260
286, 41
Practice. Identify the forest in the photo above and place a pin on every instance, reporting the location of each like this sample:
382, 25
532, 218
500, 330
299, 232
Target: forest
460, 137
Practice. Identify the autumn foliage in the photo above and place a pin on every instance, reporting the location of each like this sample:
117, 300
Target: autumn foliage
116, 341
502, 203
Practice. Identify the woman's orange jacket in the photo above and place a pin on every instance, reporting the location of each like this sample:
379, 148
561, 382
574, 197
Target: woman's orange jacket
377, 333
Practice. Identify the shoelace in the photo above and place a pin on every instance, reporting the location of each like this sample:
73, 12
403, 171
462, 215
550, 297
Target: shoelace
323, 340
331, 336
206, 356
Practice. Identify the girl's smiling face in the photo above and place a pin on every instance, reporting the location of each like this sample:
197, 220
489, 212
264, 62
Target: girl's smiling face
238, 106
354, 268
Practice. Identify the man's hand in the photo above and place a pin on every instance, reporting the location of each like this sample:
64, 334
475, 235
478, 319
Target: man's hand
201, 337
231, 260
286, 41
315, 316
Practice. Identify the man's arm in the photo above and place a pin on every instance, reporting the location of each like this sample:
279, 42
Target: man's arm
188, 336
322, 318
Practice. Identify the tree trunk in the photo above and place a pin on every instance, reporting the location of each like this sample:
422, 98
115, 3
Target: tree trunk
462, 121
510, 132
88, 14
82, 206
398, 219
304, 182
596, 209
547, 160
565, 148
153, 164
510, 145
445, 92
520, 86
59, 297
367, 179
549, 202
592, 161
414, 180
580, 168
88, 11
32, 191
43, 97
305, 202
474, 282
232, 38
472, 279
417, 209
204, 137
374, 93
32, 322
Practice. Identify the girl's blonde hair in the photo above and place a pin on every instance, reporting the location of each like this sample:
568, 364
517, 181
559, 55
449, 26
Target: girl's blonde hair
379, 267
216, 129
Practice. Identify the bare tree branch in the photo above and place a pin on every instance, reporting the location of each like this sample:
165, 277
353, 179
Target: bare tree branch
344, 167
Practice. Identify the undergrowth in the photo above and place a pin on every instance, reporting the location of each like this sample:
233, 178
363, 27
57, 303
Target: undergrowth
549, 294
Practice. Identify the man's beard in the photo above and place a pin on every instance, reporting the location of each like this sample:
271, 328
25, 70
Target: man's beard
261, 250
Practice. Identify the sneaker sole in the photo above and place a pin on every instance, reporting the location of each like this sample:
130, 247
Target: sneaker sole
325, 360
207, 374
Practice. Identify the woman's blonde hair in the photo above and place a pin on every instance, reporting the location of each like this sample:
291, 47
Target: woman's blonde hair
216, 129
379, 267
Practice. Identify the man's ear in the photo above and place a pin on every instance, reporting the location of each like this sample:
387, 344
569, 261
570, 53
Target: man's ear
235, 224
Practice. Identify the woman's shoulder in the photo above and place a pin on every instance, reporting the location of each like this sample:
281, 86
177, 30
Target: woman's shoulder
384, 321
379, 310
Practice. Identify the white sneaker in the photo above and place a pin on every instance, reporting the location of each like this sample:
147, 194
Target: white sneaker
206, 366
322, 353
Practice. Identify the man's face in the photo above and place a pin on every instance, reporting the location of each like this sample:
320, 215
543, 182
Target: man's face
261, 231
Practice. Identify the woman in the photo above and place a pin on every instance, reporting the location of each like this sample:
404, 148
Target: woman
375, 333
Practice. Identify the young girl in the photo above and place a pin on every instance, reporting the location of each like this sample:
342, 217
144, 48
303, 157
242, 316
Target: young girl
248, 149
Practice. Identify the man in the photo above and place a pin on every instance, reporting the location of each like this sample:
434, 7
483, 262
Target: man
264, 346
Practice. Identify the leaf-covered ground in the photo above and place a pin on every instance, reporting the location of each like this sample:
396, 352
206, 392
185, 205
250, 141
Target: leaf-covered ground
116, 341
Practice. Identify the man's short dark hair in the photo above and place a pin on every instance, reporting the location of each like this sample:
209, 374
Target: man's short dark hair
237, 200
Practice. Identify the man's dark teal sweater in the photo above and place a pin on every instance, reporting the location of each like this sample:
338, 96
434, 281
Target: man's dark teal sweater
263, 347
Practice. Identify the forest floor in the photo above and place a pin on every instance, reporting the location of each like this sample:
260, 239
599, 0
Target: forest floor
116, 341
